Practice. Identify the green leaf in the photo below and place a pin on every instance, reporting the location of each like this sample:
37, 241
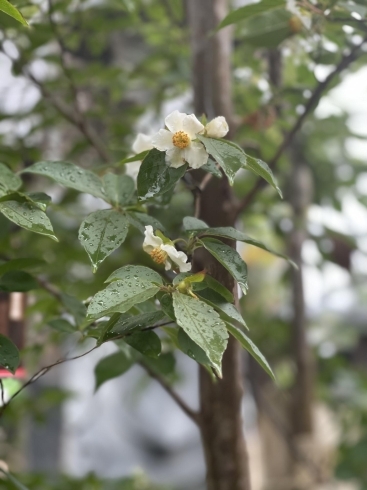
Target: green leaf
18, 281
13, 480
156, 177
352, 7
164, 364
219, 288
147, 343
141, 220
203, 325
135, 158
230, 259
40, 198
211, 167
191, 349
119, 189
21, 264
8, 180
250, 347
61, 325
167, 306
231, 158
111, 367
233, 234
101, 233
227, 310
75, 307
28, 216
137, 322
9, 9
69, 175
130, 285
249, 11
192, 224
9, 354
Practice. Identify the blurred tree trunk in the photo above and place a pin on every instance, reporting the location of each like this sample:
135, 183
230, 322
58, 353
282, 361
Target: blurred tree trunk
220, 402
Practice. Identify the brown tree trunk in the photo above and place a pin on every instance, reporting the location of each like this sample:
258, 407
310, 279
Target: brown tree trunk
220, 402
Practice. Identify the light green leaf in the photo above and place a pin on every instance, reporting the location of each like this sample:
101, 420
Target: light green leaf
101, 233
231, 158
203, 325
21, 264
119, 189
251, 348
130, 285
69, 175
226, 310
353, 7
141, 220
18, 281
135, 158
8, 180
249, 11
28, 216
156, 177
147, 343
9, 354
111, 367
192, 224
212, 283
230, 259
232, 233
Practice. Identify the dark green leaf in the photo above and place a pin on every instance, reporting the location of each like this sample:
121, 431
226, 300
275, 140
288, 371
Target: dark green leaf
211, 167
141, 220
21, 264
251, 348
230, 259
137, 322
119, 189
61, 325
226, 310
70, 175
191, 349
75, 307
17, 281
135, 158
192, 224
9, 354
212, 283
111, 367
8, 180
167, 306
101, 233
164, 364
203, 325
155, 176
248, 11
148, 343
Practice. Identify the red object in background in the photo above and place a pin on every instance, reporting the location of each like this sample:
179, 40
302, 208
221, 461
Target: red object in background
20, 373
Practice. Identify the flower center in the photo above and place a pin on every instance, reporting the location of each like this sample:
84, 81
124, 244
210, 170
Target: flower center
158, 255
181, 139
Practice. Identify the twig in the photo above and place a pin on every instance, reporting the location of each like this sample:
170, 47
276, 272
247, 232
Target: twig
2, 392
312, 102
192, 414
41, 373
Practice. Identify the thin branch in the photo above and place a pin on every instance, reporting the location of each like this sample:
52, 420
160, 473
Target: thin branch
311, 104
192, 414
2, 392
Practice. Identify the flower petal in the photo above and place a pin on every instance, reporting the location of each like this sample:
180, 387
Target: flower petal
174, 121
162, 140
151, 241
196, 155
217, 128
175, 157
179, 258
142, 142
191, 125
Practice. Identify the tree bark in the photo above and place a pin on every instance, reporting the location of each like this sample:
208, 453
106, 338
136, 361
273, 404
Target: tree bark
220, 402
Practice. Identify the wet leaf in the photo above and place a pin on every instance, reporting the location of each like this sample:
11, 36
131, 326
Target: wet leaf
119, 189
28, 216
203, 325
8, 180
9, 354
226, 310
137, 322
111, 367
141, 220
69, 175
191, 349
147, 343
101, 233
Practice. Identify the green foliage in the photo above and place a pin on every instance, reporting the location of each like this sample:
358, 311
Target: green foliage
112, 366
249, 11
9, 354
9, 9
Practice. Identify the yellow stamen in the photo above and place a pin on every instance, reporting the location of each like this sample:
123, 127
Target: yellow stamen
158, 255
181, 139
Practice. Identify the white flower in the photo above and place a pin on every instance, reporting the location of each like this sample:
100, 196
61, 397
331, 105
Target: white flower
142, 142
294, 9
178, 142
164, 253
217, 128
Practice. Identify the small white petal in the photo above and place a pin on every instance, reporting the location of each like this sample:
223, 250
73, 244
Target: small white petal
132, 169
167, 265
179, 258
175, 157
174, 121
217, 128
196, 155
151, 241
163, 140
142, 142
192, 126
